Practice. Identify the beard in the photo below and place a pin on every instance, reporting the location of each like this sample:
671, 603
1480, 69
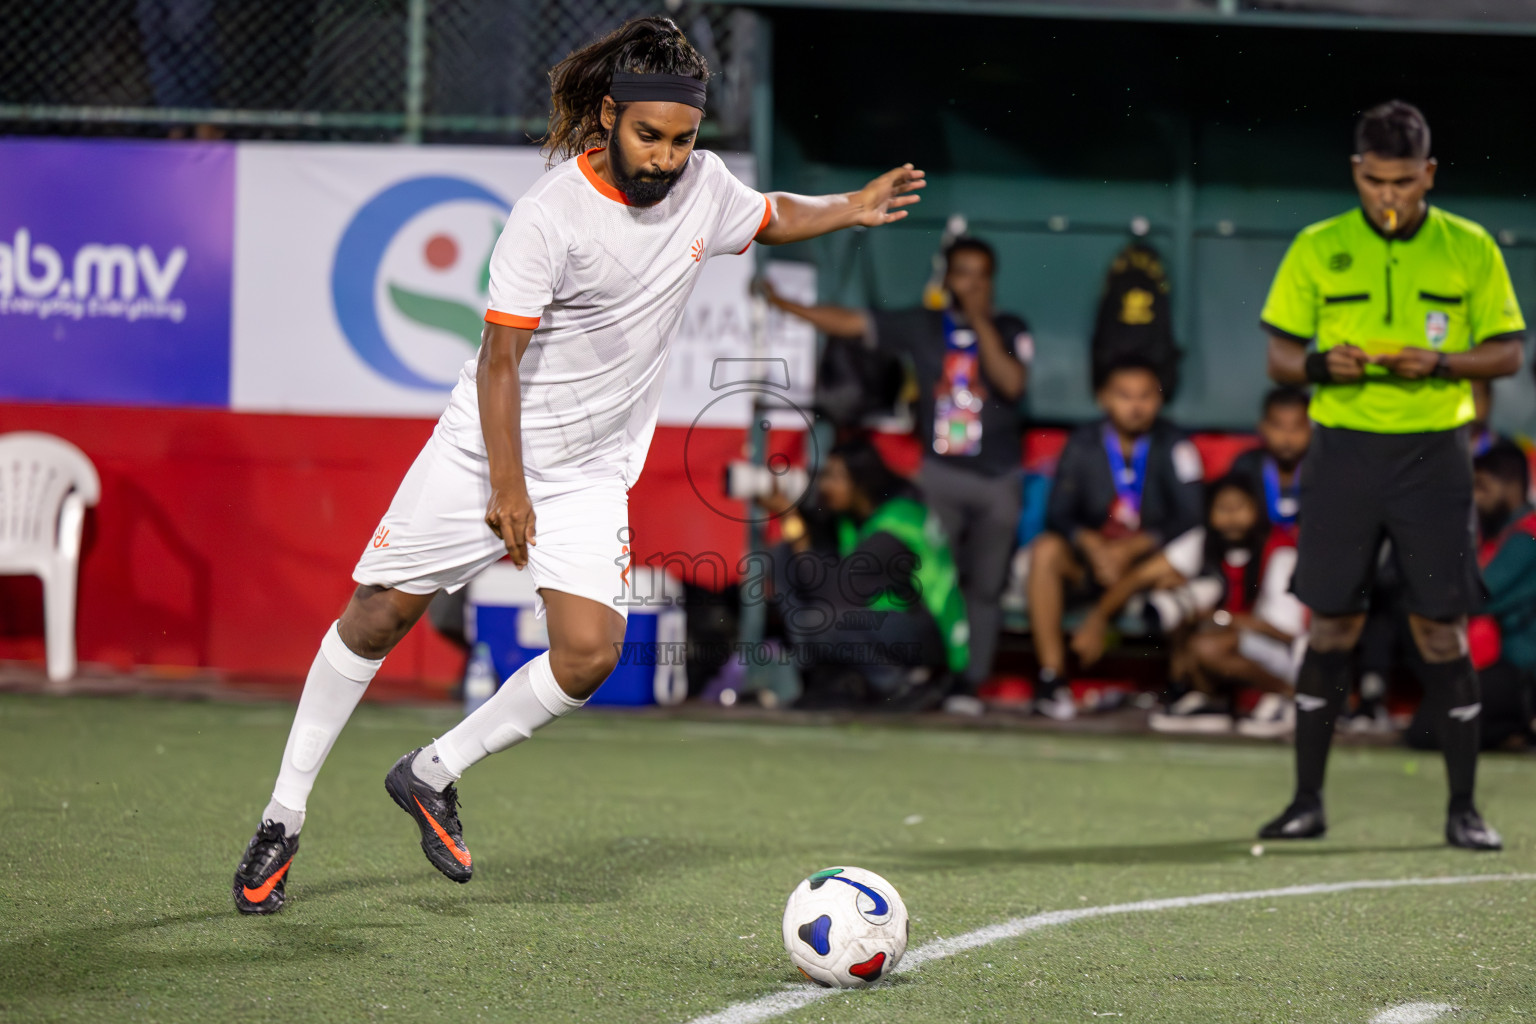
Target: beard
641, 188
1492, 523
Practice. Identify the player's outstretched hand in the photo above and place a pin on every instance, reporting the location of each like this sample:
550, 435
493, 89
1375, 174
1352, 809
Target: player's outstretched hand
1411, 363
881, 201
510, 517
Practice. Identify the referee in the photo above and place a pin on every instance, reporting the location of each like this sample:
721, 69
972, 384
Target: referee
1407, 304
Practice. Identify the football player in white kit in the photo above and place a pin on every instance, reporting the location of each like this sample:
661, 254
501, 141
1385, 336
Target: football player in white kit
549, 425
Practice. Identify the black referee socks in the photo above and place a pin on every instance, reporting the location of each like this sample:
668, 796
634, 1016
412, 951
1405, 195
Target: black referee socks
1452, 689
1321, 687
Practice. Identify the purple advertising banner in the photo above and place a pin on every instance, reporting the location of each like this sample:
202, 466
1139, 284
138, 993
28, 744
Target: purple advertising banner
115, 271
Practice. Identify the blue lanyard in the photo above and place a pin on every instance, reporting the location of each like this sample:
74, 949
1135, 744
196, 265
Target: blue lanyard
1274, 496
1129, 480
950, 329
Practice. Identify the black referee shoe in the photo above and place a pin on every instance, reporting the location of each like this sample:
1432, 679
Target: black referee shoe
1468, 830
1298, 821
436, 814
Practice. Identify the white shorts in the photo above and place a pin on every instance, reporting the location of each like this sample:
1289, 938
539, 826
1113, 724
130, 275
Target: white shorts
434, 536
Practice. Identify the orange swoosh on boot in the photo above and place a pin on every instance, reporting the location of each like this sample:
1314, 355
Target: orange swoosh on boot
460, 855
265, 889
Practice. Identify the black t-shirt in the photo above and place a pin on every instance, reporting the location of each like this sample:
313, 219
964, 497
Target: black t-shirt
1083, 491
1250, 467
918, 334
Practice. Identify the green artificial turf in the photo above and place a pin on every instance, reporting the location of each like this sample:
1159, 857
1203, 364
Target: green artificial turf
633, 870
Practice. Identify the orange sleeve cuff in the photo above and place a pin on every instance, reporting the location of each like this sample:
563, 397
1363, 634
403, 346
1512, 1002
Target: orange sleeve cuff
767, 216
526, 323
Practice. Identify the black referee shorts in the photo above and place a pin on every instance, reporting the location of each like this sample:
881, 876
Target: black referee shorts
1358, 488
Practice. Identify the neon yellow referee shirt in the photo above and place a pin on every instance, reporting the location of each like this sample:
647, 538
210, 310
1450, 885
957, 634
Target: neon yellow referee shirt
1445, 287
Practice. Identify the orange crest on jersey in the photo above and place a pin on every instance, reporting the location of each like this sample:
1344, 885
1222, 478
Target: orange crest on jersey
697, 251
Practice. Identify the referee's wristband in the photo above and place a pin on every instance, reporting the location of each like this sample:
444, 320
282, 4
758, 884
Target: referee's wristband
1317, 368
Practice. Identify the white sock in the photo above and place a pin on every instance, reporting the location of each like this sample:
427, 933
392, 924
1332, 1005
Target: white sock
336, 682
530, 700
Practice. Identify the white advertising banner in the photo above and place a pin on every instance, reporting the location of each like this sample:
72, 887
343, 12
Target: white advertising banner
360, 283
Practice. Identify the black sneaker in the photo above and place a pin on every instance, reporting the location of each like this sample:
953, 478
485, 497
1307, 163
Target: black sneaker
1194, 713
263, 871
1468, 830
1298, 821
1053, 699
436, 814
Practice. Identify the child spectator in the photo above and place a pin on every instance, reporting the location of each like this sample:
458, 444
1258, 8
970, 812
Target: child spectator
1124, 487
1274, 468
1223, 590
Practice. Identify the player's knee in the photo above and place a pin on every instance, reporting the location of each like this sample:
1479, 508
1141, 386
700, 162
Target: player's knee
367, 636
1329, 633
371, 626
581, 667
1207, 649
1439, 642
1049, 553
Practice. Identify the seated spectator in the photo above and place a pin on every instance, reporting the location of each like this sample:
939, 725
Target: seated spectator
1274, 468
1223, 593
1503, 638
1480, 432
880, 615
971, 362
1124, 488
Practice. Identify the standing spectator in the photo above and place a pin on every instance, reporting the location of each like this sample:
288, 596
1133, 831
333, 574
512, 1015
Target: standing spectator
972, 366
1125, 486
1407, 304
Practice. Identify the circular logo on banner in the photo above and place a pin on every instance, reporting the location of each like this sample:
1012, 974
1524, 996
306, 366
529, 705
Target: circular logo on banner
411, 277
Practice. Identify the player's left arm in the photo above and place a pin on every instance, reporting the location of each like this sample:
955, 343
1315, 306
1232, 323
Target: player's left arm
795, 218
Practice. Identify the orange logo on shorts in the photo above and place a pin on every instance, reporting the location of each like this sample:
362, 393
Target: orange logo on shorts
381, 538
697, 250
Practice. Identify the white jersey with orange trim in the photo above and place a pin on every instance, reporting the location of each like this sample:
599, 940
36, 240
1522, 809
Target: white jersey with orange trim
603, 285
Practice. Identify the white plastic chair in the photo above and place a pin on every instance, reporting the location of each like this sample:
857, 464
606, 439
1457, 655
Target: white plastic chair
46, 484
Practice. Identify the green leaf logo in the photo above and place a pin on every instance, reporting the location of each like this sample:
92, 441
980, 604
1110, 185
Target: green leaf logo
455, 318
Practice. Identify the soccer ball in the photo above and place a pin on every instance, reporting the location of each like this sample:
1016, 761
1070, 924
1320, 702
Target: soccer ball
845, 927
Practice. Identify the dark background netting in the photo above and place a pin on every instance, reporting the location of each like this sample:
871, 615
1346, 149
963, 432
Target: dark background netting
327, 68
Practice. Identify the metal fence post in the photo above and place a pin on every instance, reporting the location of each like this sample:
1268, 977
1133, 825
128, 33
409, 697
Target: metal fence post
415, 69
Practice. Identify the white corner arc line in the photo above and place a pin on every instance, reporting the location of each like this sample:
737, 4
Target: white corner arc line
776, 1004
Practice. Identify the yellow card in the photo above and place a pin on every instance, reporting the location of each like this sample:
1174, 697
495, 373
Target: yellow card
1380, 347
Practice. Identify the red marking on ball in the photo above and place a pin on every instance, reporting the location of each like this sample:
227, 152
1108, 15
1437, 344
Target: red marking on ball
441, 252
869, 970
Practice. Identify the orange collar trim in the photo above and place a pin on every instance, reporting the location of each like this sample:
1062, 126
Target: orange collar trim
597, 182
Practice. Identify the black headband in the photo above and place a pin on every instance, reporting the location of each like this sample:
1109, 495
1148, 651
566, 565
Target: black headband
629, 87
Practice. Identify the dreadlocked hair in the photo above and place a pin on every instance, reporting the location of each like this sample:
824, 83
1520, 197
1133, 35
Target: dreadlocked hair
577, 85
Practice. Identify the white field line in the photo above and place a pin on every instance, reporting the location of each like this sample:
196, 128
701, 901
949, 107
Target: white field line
1413, 1013
779, 1003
